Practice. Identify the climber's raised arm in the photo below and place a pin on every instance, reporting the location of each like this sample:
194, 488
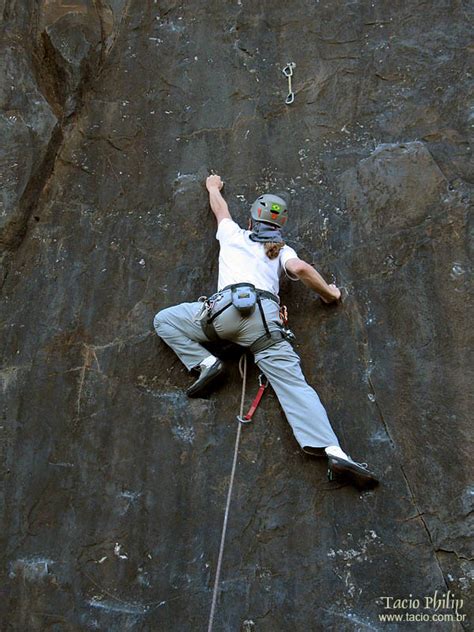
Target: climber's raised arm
311, 277
218, 205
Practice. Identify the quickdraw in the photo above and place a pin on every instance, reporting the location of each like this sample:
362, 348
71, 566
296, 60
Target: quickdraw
288, 72
263, 383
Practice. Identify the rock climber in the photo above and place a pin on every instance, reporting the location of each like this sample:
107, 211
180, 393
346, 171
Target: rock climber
246, 311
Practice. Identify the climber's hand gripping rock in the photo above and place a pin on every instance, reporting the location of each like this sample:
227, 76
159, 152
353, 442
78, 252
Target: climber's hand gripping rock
336, 294
214, 181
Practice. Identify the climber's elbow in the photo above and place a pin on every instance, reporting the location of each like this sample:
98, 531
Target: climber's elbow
298, 268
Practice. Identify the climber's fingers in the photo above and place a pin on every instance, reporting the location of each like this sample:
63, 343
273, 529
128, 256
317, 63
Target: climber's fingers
213, 181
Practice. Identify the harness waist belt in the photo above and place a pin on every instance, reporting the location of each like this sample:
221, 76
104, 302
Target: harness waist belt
262, 293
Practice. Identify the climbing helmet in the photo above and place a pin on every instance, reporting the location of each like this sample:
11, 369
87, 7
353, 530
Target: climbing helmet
271, 209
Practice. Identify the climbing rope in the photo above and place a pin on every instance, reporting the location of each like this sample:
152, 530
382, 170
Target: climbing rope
243, 374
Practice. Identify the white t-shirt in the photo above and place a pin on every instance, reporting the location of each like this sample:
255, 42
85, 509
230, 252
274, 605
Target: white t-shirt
242, 260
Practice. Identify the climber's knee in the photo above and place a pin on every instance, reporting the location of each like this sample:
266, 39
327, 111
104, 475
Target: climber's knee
161, 321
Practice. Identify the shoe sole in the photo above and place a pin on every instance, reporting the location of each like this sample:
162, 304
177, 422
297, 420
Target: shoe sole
361, 478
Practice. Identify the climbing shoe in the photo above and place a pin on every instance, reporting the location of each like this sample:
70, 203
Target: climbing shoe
356, 473
208, 374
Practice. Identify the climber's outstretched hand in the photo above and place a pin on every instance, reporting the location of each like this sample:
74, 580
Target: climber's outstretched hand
218, 205
214, 182
335, 294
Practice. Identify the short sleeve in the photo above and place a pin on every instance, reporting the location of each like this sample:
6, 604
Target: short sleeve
226, 229
287, 253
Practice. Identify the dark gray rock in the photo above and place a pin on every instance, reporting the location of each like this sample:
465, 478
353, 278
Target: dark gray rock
27, 126
114, 483
72, 44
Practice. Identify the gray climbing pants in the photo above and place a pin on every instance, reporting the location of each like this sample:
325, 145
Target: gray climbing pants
179, 328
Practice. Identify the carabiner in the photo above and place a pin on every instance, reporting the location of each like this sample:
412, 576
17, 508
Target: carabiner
290, 98
243, 420
288, 69
262, 380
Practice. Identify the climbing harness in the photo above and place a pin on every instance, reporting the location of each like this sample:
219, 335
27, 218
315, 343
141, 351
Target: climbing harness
288, 72
243, 419
271, 338
262, 314
211, 310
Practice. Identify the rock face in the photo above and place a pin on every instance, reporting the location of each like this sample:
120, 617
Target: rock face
114, 483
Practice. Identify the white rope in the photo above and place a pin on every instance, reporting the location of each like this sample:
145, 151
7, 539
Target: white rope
243, 373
